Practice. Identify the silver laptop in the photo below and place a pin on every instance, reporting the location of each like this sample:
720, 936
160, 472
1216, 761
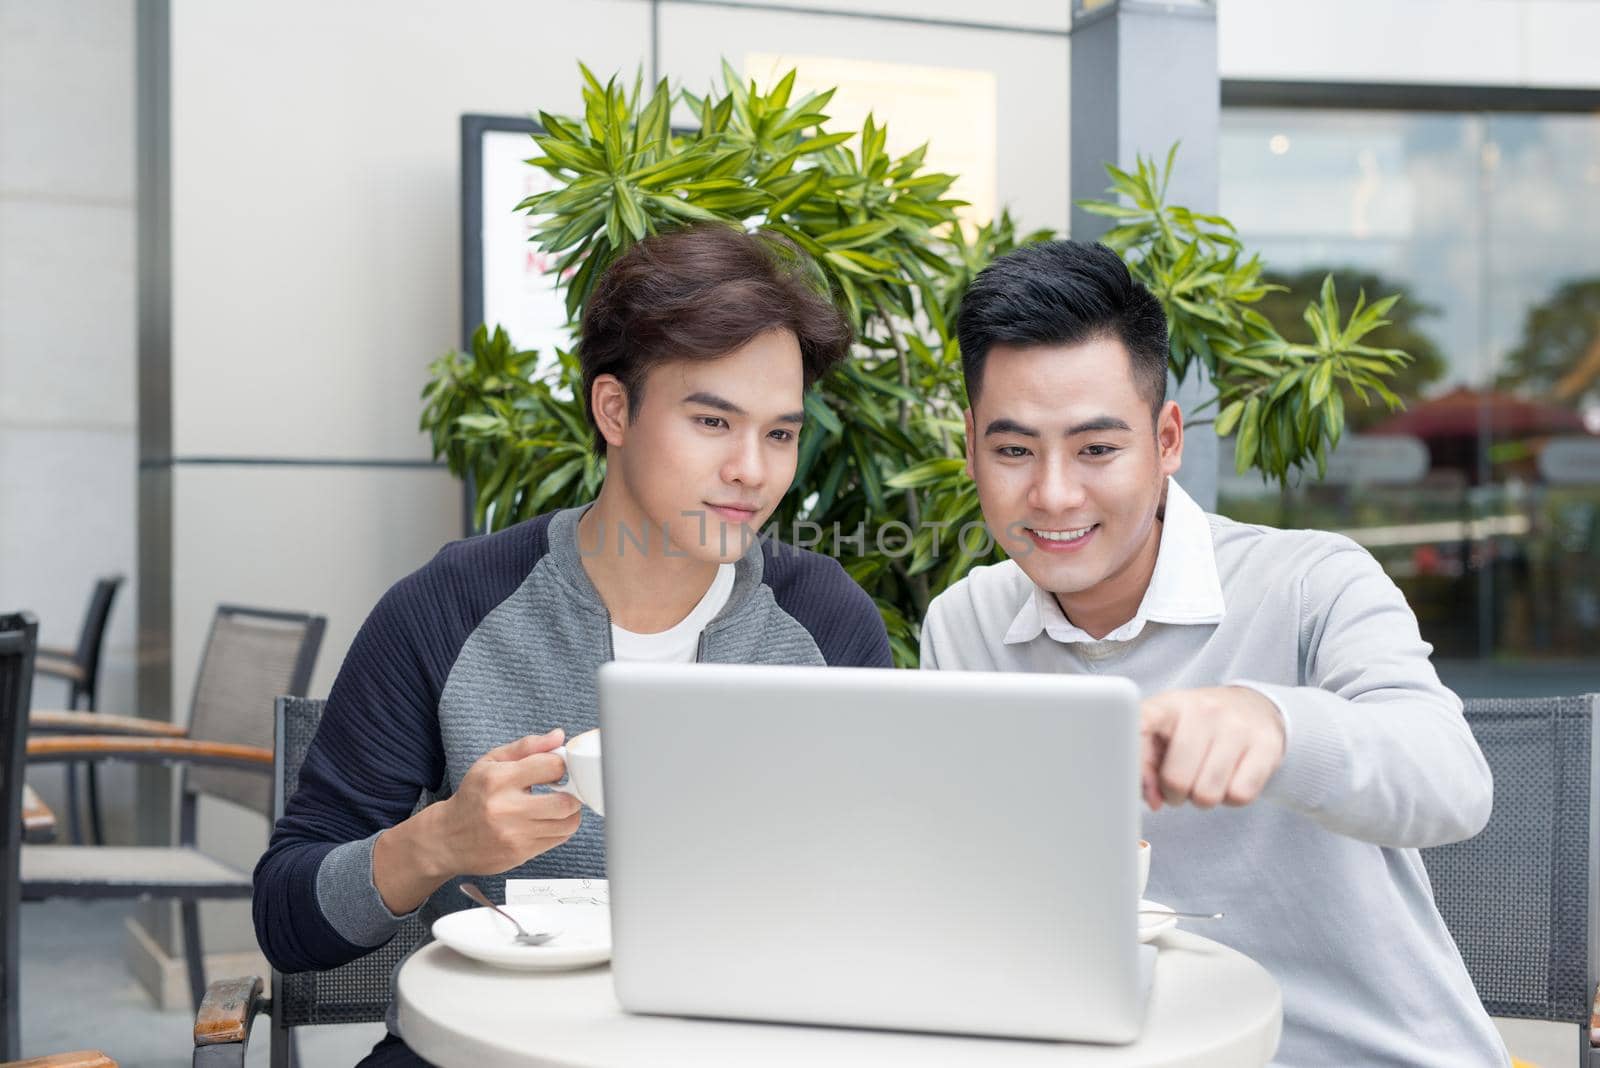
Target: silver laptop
927, 851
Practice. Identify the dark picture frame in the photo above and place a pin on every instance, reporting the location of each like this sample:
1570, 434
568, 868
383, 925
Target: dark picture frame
483, 138
476, 131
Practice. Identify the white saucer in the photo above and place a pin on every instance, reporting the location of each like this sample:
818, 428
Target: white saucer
583, 935
1150, 926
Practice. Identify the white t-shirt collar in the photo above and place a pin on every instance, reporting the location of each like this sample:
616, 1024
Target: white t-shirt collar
681, 641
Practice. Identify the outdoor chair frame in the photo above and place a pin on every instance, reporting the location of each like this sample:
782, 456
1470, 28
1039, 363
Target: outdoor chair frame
249, 652
19, 636
1519, 898
80, 669
357, 992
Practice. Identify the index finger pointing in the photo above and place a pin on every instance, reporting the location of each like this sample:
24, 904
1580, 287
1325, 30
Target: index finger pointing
1151, 751
1158, 717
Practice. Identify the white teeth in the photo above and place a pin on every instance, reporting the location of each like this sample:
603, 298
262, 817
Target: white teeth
1062, 535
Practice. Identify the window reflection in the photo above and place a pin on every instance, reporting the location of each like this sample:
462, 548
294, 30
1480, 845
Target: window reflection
1482, 497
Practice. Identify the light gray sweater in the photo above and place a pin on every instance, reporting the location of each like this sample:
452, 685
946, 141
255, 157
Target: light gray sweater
1320, 878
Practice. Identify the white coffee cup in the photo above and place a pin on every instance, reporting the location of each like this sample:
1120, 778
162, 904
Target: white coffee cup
582, 755
1144, 865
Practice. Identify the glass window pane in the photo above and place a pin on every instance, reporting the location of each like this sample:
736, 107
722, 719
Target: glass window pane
1482, 497
1541, 180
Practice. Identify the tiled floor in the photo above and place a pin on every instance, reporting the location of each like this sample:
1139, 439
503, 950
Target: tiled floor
77, 994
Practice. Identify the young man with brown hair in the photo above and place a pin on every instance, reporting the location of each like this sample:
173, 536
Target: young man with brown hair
697, 349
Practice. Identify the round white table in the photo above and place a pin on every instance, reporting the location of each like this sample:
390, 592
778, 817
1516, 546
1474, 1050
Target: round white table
1209, 1005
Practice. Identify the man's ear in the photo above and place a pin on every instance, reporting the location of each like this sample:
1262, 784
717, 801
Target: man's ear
1169, 438
967, 414
608, 400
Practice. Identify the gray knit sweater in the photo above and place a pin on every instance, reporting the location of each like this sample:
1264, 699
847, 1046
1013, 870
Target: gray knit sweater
1320, 879
496, 638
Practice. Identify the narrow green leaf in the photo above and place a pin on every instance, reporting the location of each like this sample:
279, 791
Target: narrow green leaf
928, 473
867, 468
1249, 437
831, 482
682, 209
632, 215
1228, 418
1333, 416
820, 143
573, 157
1330, 304
1321, 327
1321, 383
853, 236
817, 411
557, 479
786, 204
1111, 210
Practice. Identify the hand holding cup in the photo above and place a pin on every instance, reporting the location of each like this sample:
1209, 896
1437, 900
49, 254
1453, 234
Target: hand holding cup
493, 822
582, 756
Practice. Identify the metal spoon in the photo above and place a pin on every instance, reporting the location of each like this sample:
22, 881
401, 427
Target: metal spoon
1182, 915
522, 938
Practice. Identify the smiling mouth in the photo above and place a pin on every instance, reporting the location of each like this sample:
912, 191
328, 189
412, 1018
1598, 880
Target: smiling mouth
1062, 536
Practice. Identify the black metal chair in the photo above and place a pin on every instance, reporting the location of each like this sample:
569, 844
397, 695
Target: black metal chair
251, 656
1519, 897
19, 635
80, 669
358, 992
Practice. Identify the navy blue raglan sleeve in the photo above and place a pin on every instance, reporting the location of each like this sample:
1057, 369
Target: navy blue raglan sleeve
377, 749
376, 752
840, 616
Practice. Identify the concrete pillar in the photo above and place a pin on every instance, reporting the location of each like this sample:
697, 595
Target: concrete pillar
154, 797
1144, 75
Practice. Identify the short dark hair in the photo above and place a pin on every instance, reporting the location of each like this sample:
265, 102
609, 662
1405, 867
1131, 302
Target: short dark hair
699, 293
1063, 293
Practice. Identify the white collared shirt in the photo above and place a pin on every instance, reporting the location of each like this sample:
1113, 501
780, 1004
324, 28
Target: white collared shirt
1185, 590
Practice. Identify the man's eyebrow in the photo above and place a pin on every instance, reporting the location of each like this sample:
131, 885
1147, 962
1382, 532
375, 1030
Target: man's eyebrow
1099, 422
711, 400
1009, 426
722, 404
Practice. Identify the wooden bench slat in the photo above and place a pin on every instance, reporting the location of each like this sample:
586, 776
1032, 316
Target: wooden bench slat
83, 1058
108, 746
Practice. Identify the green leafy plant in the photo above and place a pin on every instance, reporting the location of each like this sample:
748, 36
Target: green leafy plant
880, 481
1282, 399
1406, 332
520, 435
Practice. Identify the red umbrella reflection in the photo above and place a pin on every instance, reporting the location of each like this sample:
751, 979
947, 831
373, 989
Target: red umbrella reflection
1457, 424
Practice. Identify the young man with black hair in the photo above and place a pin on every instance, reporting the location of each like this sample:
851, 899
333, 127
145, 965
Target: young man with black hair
697, 349
1297, 745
